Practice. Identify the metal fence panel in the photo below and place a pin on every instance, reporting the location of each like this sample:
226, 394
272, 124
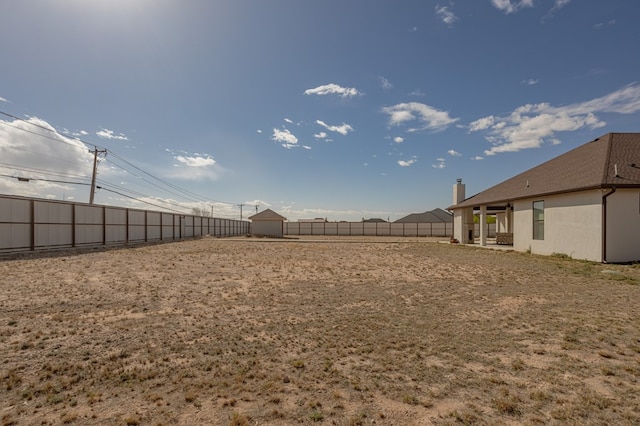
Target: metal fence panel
15, 235
369, 229
136, 225
53, 234
14, 210
89, 215
53, 212
36, 224
115, 225
397, 229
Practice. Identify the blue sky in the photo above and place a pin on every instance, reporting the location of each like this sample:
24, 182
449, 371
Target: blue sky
336, 109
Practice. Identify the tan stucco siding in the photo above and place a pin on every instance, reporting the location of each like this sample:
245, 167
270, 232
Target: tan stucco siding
462, 224
572, 225
623, 226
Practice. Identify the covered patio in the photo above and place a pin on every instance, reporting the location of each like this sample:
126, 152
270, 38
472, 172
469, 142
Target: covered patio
463, 220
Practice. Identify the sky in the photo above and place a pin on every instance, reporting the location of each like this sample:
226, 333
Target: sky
336, 109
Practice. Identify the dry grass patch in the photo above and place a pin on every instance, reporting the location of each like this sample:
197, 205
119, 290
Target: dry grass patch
348, 332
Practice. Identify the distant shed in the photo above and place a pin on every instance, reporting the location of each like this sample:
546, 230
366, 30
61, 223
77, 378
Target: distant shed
267, 223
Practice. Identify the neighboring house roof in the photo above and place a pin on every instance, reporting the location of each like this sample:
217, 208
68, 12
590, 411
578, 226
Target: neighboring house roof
374, 219
590, 166
267, 214
433, 216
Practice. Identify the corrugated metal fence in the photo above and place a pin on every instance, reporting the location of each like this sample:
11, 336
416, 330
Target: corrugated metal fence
36, 224
377, 229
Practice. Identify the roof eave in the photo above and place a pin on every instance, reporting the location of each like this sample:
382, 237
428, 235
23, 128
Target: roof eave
464, 204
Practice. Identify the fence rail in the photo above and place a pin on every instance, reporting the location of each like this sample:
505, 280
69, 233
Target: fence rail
377, 229
29, 224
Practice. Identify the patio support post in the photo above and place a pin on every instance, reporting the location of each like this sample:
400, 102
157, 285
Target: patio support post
483, 226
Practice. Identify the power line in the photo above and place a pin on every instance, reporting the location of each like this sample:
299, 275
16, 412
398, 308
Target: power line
149, 182
44, 128
36, 170
28, 179
104, 185
138, 200
174, 189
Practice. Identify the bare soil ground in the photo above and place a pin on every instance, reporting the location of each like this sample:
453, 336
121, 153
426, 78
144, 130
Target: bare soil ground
334, 331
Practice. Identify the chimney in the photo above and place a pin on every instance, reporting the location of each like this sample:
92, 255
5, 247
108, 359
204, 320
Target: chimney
458, 191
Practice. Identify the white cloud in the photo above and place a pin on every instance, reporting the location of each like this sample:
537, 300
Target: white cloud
601, 25
447, 16
385, 83
288, 120
418, 92
507, 6
194, 166
33, 149
531, 125
333, 89
3, 99
342, 129
558, 4
407, 163
477, 158
285, 137
321, 135
258, 131
454, 153
398, 139
531, 81
429, 117
441, 164
196, 160
482, 123
109, 134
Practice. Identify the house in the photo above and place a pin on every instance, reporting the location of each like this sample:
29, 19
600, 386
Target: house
373, 220
267, 223
433, 216
584, 203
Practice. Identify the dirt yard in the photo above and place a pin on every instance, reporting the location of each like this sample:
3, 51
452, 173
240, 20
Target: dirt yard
384, 331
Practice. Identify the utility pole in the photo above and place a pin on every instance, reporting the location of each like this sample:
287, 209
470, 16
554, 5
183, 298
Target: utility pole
240, 205
95, 169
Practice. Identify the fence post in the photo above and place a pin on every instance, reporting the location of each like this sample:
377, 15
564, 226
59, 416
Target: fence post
33, 225
104, 225
73, 225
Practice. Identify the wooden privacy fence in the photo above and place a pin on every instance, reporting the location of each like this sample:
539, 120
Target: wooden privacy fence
377, 229
37, 224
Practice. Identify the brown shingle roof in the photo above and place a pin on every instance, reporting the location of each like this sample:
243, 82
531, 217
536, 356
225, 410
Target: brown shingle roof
433, 216
589, 166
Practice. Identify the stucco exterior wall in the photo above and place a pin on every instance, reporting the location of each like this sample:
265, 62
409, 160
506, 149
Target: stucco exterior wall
623, 226
463, 228
572, 225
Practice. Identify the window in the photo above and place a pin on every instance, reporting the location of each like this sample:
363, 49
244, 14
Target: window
538, 220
